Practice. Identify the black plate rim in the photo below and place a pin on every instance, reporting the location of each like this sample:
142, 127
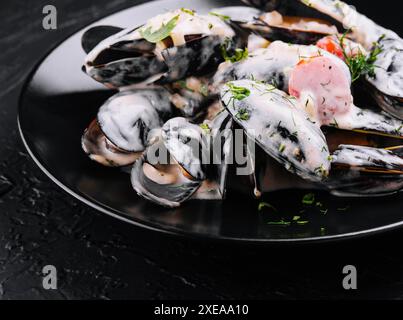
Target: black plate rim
157, 227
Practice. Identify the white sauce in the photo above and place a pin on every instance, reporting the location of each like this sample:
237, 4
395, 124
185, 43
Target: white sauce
120, 116
358, 156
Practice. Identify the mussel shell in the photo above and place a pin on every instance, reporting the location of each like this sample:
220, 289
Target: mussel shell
286, 34
187, 145
197, 57
361, 170
127, 117
284, 131
100, 149
168, 195
93, 36
127, 71
266, 5
392, 105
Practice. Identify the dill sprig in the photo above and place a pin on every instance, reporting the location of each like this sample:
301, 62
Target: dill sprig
361, 64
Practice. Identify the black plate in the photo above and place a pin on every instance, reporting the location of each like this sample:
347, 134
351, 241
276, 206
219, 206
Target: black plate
59, 101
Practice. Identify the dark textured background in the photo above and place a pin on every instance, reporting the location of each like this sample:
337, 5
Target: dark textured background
99, 257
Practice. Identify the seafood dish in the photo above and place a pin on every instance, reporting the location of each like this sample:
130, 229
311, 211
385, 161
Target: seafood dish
274, 94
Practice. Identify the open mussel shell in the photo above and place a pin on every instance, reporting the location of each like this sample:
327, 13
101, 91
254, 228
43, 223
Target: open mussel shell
272, 119
265, 5
100, 149
93, 36
123, 59
124, 124
167, 183
172, 169
198, 57
292, 29
129, 57
386, 85
361, 170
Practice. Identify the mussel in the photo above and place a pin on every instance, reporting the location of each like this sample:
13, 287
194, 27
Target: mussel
124, 125
180, 165
272, 119
169, 47
318, 79
280, 125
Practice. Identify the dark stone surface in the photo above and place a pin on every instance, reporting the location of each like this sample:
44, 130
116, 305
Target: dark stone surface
99, 257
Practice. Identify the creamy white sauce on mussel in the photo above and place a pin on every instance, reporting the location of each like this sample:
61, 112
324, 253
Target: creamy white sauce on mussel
127, 118
274, 120
363, 30
272, 65
185, 141
166, 43
368, 159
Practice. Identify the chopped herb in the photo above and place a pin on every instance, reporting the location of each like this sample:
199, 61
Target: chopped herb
343, 209
308, 199
206, 128
361, 64
302, 223
279, 223
240, 54
204, 90
321, 170
263, 205
221, 16
243, 114
330, 158
210, 25
188, 11
239, 93
324, 212
281, 149
322, 231
399, 129
296, 218
161, 33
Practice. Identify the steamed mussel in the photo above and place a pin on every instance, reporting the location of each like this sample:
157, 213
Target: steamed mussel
277, 73
124, 125
169, 47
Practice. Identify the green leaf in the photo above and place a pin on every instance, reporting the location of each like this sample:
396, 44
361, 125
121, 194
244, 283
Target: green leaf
243, 114
221, 16
160, 34
240, 54
279, 223
188, 11
360, 64
308, 199
263, 205
239, 93
206, 128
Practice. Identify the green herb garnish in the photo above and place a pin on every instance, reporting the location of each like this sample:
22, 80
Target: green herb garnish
188, 11
243, 114
239, 93
281, 149
302, 223
240, 54
221, 16
160, 34
263, 205
308, 199
206, 128
279, 223
361, 64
